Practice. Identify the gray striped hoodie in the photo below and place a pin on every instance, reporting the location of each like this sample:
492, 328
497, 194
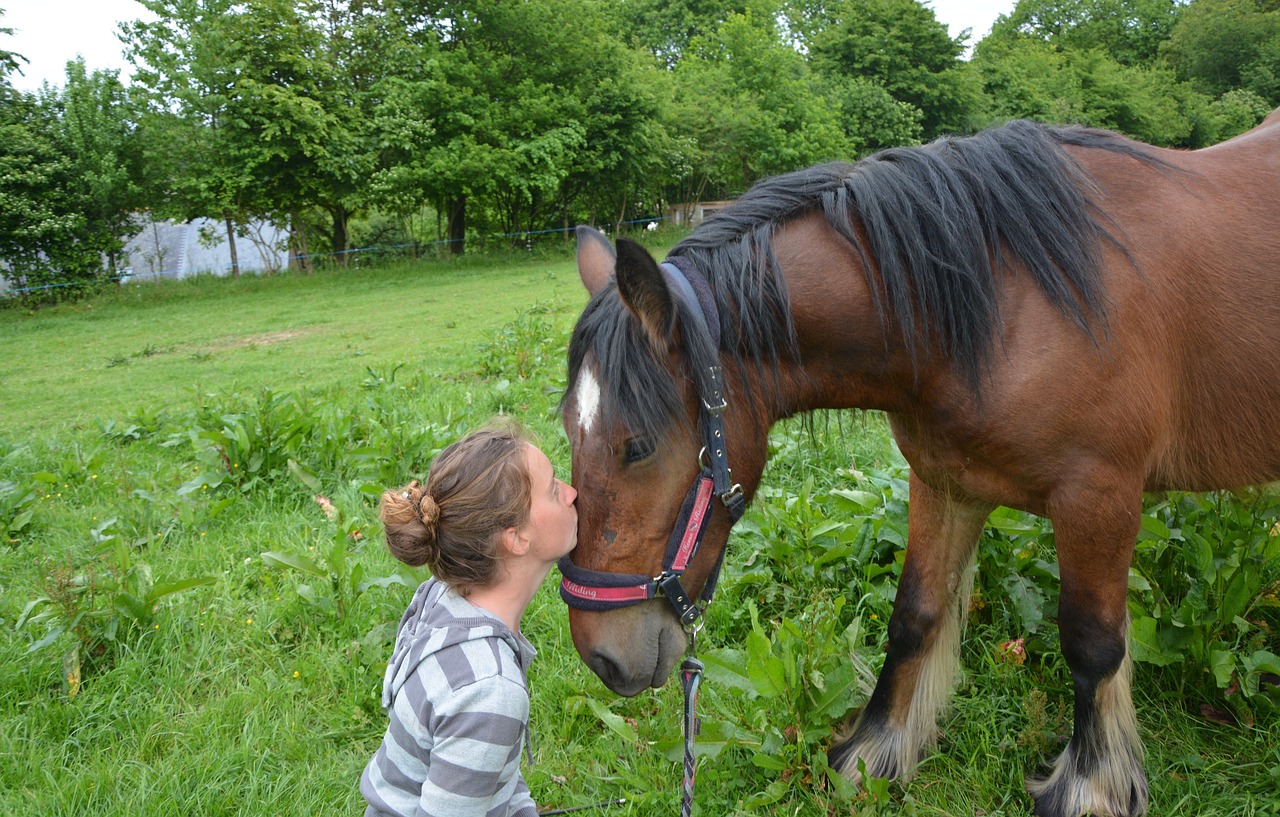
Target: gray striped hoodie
457, 697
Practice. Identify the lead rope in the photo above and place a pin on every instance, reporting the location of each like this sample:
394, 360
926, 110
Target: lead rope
690, 678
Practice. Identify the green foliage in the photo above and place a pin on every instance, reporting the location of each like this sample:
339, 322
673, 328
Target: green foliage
246, 447
806, 671
341, 578
68, 165
17, 506
1205, 594
1224, 45
103, 605
902, 47
526, 347
754, 105
1130, 31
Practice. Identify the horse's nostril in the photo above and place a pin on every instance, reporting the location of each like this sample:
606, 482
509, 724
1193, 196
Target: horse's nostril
605, 667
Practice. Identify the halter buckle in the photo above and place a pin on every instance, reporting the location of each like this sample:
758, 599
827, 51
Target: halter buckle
717, 393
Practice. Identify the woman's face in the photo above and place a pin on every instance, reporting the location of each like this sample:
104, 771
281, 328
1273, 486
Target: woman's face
552, 527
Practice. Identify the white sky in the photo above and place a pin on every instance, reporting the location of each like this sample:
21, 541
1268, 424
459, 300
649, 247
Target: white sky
49, 33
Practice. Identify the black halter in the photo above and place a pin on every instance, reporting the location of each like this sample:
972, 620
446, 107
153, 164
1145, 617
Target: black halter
599, 590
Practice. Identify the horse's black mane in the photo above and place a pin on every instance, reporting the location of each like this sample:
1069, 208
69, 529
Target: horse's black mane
937, 221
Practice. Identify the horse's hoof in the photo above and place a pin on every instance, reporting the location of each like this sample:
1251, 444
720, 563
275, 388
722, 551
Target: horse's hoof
1066, 796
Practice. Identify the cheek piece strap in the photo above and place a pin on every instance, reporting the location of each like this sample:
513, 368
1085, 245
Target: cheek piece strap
600, 590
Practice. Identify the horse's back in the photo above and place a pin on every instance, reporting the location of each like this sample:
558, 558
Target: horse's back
1199, 306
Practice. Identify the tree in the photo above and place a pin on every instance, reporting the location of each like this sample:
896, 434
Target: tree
1128, 31
97, 129
1101, 63
1223, 45
900, 46
261, 108
666, 28
531, 108
69, 182
753, 106
186, 72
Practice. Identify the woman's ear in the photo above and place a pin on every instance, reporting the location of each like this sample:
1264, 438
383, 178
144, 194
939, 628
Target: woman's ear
514, 542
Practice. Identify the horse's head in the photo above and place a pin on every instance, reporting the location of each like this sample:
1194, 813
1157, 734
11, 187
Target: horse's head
635, 418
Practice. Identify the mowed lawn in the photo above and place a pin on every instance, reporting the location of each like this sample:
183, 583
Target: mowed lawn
154, 346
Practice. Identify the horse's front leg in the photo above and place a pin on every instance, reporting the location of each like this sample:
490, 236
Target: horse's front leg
899, 721
1100, 772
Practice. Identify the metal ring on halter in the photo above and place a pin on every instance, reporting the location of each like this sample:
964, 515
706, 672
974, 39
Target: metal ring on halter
692, 630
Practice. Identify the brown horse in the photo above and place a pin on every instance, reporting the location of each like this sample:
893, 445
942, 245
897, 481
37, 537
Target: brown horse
1055, 320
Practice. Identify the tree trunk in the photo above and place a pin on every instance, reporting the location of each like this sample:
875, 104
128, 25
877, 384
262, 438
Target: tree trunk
340, 218
458, 224
299, 253
231, 244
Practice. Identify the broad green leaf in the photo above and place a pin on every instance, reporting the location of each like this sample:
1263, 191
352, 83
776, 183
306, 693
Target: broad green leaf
728, 667
49, 637
385, 582
163, 589
1240, 591
860, 500
1223, 664
1144, 643
305, 475
765, 669
277, 558
611, 719
1264, 661
714, 736
771, 794
30, 608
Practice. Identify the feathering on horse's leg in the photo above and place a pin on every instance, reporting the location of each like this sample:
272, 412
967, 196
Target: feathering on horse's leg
899, 722
1100, 773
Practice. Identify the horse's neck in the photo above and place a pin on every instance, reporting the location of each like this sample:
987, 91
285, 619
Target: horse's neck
848, 356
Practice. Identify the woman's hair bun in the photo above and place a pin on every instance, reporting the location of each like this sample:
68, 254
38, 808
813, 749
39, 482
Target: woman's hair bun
428, 511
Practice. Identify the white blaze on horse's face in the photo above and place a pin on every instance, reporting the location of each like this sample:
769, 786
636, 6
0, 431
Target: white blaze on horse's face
588, 396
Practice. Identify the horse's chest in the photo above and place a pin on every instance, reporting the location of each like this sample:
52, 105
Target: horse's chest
980, 469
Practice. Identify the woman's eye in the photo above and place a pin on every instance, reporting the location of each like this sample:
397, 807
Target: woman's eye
637, 449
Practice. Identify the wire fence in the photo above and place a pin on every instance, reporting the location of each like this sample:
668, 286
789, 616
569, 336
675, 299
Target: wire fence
413, 250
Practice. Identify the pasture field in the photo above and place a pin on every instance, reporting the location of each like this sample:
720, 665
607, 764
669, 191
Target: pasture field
184, 629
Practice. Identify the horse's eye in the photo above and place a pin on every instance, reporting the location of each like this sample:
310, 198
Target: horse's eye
637, 449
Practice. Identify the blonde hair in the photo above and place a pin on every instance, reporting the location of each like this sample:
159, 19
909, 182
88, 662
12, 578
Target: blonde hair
475, 489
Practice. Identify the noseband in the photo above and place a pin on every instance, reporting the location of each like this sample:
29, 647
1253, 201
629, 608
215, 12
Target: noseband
599, 590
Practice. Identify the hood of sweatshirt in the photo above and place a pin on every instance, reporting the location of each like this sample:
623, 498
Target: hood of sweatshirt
436, 618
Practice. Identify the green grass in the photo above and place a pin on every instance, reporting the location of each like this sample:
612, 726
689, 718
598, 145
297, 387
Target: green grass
177, 339
254, 695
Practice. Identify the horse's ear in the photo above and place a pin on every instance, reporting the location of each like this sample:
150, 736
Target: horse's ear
644, 291
595, 259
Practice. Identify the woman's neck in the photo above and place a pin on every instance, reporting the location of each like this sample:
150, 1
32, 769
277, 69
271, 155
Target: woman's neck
509, 597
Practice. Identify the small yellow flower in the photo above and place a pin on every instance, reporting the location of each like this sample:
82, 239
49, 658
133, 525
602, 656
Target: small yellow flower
296, 673
202, 533
248, 621
93, 476
157, 626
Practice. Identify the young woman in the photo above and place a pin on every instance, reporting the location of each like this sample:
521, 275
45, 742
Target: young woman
490, 522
